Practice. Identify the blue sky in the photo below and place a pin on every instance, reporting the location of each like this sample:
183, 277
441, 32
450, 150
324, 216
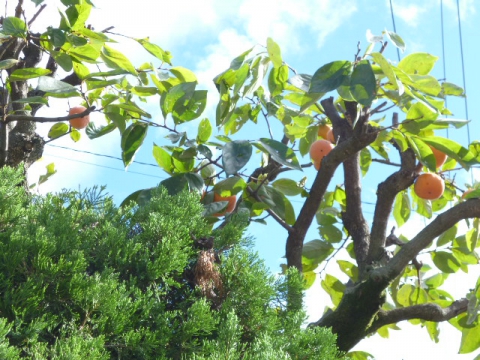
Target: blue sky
205, 36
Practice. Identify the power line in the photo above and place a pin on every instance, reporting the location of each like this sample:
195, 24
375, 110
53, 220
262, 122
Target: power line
463, 74
394, 27
103, 166
443, 52
102, 155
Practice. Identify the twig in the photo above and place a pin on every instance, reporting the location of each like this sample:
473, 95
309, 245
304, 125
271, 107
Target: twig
271, 212
36, 14
19, 9
386, 162
11, 118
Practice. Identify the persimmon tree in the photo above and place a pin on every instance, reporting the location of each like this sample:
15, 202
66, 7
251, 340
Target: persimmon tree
391, 278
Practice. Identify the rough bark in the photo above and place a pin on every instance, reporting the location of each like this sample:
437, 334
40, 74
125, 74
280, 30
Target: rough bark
361, 136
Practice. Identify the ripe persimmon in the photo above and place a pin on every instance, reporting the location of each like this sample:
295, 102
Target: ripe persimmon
79, 123
440, 157
323, 131
319, 150
429, 186
232, 201
331, 136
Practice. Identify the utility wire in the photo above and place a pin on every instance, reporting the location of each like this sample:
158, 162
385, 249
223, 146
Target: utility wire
103, 166
443, 53
394, 27
102, 155
463, 74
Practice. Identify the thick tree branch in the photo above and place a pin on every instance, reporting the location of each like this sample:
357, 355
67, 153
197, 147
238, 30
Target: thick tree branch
386, 193
10, 118
428, 312
353, 218
443, 222
361, 137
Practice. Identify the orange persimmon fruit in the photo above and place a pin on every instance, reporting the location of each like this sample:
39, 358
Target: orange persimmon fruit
319, 150
79, 123
429, 186
440, 157
232, 201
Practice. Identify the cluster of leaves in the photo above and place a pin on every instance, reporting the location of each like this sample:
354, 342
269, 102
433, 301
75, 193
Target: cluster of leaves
81, 278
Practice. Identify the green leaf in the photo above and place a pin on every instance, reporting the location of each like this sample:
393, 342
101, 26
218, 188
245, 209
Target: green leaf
8, 63
349, 269
288, 187
308, 279
32, 100
56, 88
77, 15
75, 135
183, 74
301, 81
277, 80
155, 50
447, 236
435, 281
62, 59
362, 83
189, 106
426, 84
27, 73
58, 130
277, 202
14, 26
50, 171
274, 53
163, 159
204, 131
360, 355
452, 89
334, 287
235, 155
417, 63
317, 250
94, 132
175, 184
330, 233
179, 92
451, 148
422, 152
117, 60
404, 295
365, 160
259, 69
445, 261
141, 197
230, 186
132, 139
87, 53
396, 40
401, 209
330, 76
387, 70
470, 339
280, 152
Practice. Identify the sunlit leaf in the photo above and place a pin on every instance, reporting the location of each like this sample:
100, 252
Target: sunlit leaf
418, 63
363, 83
330, 76
132, 139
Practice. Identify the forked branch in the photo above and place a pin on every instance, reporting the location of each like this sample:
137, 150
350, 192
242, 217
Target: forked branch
428, 312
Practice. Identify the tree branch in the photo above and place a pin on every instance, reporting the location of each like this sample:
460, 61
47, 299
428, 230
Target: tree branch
361, 137
443, 222
428, 312
386, 193
352, 217
10, 118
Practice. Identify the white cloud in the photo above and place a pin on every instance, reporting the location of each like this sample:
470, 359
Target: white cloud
410, 13
467, 8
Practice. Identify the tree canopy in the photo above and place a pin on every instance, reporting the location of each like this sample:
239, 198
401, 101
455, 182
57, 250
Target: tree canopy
82, 279
260, 91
